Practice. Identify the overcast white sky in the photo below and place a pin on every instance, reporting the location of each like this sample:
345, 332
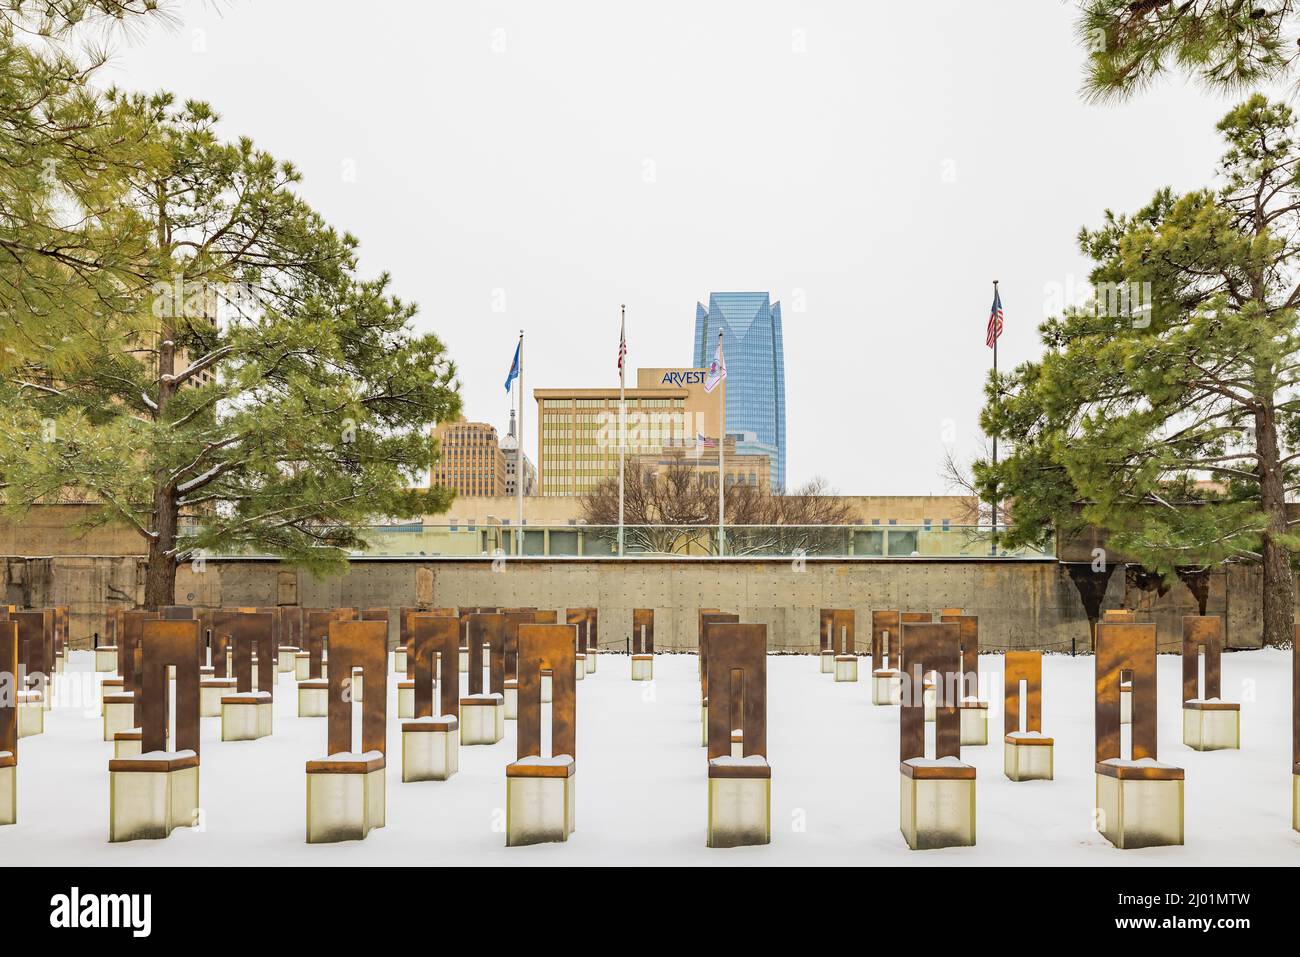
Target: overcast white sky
872, 165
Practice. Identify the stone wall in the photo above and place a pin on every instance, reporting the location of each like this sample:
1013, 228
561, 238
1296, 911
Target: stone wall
65, 530
1021, 604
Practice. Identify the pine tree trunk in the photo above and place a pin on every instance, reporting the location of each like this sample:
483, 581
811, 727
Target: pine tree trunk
160, 575
1279, 581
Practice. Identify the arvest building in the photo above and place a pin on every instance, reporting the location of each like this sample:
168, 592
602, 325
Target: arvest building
755, 358
578, 445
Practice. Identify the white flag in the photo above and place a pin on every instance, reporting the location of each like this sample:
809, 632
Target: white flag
717, 369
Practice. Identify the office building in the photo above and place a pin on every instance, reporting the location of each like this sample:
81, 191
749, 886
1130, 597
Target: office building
470, 460
749, 446
755, 358
743, 466
579, 428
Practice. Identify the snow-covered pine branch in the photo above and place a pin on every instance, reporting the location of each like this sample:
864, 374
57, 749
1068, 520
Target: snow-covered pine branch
199, 480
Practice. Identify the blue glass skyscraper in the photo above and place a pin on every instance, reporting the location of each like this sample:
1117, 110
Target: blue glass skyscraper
755, 357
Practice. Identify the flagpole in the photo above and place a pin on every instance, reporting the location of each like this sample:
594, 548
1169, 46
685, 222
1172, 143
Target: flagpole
996, 394
519, 458
622, 419
722, 445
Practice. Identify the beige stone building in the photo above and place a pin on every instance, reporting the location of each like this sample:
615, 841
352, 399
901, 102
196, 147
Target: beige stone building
741, 469
580, 430
938, 512
470, 461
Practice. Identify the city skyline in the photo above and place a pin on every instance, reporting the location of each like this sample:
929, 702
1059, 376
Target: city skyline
875, 197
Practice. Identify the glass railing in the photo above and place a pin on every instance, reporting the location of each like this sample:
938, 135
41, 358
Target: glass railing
684, 542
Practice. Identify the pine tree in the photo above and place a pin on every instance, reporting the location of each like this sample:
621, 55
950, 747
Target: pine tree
278, 400
1167, 410
1226, 44
69, 245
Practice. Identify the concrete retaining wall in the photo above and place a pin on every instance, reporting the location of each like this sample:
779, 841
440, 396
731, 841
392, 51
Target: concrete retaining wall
1020, 604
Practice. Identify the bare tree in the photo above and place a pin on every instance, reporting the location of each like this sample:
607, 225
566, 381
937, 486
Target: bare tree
675, 510
663, 512
960, 478
809, 520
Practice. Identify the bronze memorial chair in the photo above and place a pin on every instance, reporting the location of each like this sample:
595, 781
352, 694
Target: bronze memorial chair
431, 738
974, 709
937, 797
1209, 722
1129, 647
246, 714
540, 790
156, 791
311, 668
642, 646
836, 637
483, 713
1028, 754
740, 778
345, 789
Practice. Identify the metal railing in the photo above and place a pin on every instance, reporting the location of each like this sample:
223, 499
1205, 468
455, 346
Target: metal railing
793, 542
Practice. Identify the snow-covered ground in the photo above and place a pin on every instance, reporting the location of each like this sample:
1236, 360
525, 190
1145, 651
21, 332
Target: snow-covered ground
641, 785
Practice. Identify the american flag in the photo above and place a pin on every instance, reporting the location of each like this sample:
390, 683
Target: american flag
995, 320
622, 344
